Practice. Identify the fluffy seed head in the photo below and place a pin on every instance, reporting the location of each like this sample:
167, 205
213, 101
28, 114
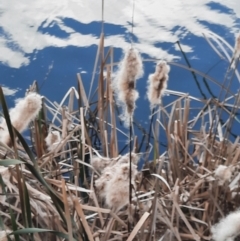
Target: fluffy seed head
130, 69
125, 159
228, 228
117, 189
3, 235
223, 173
99, 164
101, 183
157, 83
53, 139
113, 184
21, 115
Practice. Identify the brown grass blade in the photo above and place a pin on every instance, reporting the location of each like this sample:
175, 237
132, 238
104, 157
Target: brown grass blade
80, 213
67, 213
138, 226
196, 237
82, 93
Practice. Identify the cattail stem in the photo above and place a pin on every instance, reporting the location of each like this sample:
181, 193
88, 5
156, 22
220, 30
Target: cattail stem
133, 10
149, 134
124, 85
156, 130
150, 126
130, 169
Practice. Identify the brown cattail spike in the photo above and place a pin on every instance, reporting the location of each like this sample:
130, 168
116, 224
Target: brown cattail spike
113, 184
21, 115
53, 139
130, 69
228, 228
157, 83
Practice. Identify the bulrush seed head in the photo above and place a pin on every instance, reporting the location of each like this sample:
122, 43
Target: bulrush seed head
130, 69
101, 183
99, 164
21, 115
223, 173
53, 139
157, 83
113, 184
117, 189
228, 228
125, 159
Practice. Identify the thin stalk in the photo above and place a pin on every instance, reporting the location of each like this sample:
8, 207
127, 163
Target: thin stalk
102, 16
230, 80
149, 135
130, 169
133, 10
156, 134
193, 73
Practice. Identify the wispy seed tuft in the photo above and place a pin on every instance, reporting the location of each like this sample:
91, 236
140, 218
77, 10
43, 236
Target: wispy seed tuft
21, 115
130, 69
157, 83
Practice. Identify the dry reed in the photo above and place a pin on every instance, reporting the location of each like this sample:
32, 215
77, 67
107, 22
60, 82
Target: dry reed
236, 53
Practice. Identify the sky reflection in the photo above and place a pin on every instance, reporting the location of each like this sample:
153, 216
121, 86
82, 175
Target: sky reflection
51, 40
28, 26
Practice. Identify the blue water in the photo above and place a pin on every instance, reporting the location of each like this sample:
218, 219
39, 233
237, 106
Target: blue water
50, 41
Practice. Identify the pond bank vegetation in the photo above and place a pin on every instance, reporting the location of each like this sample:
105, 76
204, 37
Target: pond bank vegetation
73, 181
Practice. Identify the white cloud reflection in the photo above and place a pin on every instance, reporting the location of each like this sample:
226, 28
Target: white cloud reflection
7, 91
154, 23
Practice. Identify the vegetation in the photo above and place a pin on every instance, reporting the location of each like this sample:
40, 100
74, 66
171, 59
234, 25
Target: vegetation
74, 183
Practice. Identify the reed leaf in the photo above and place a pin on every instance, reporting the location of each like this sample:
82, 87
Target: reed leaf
14, 226
9, 162
6, 116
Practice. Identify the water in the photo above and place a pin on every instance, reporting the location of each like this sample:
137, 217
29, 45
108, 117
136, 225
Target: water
50, 41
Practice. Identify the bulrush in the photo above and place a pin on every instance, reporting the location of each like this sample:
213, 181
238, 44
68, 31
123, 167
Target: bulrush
53, 139
117, 188
228, 228
21, 115
100, 163
236, 53
102, 181
157, 83
223, 173
113, 183
130, 69
125, 159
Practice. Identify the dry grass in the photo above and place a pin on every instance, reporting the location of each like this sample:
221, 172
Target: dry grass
177, 196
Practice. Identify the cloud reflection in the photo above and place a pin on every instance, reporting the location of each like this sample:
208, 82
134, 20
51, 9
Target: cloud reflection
7, 91
154, 23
